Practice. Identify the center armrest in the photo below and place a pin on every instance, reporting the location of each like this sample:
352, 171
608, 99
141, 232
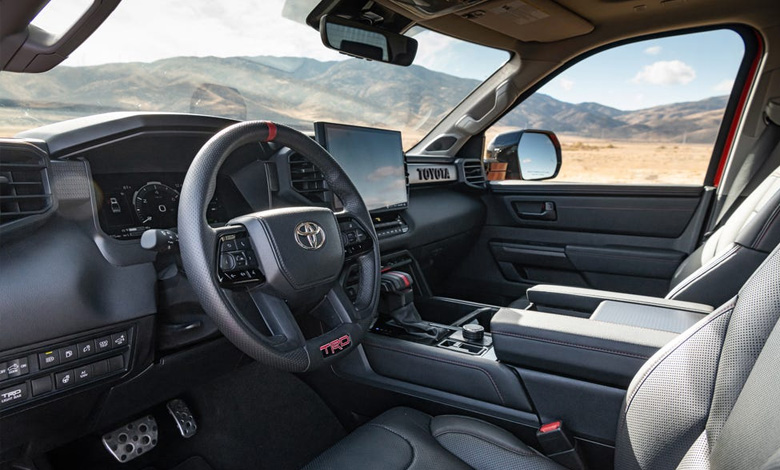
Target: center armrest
588, 300
583, 348
646, 316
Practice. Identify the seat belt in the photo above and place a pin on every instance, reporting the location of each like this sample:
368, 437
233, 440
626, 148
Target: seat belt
759, 163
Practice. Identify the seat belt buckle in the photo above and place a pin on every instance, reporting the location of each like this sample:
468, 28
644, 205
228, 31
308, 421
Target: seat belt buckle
556, 444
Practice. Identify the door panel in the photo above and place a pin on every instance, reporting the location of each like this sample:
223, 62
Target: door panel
620, 238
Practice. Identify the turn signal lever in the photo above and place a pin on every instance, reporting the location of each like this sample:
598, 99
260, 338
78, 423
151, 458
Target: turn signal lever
397, 301
161, 241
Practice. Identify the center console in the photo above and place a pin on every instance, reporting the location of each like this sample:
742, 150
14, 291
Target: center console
569, 356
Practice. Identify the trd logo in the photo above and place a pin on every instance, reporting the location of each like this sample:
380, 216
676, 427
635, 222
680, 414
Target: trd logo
425, 174
335, 346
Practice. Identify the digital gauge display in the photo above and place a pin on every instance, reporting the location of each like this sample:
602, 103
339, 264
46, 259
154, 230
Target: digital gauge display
132, 203
156, 205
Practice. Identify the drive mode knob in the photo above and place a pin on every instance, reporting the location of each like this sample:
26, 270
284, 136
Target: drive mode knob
473, 332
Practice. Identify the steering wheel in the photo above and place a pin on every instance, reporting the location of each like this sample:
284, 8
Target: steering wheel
292, 259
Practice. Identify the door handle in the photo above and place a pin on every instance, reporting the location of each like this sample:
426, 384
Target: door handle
548, 212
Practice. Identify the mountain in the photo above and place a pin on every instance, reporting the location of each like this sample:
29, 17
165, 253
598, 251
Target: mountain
695, 121
298, 91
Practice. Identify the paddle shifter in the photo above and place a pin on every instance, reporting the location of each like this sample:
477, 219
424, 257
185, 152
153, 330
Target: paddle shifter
397, 301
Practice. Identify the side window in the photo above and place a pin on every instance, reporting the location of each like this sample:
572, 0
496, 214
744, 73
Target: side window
642, 113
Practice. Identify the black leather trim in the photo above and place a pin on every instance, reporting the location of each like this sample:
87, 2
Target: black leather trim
442, 369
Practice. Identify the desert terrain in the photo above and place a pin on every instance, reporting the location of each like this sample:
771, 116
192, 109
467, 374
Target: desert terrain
590, 160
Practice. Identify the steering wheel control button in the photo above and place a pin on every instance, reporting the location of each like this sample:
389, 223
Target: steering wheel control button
86, 349
227, 262
13, 395
64, 380
243, 244
68, 353
41, 385
103, 344
132, 440
83, 374
48, 359
237, 261
183, 417
228, 244
355, 239
118, 339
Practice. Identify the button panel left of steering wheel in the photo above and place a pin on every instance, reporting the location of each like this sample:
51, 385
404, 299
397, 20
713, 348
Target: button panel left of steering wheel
236, 261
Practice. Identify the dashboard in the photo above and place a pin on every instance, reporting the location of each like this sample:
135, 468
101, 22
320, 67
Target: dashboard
74, 271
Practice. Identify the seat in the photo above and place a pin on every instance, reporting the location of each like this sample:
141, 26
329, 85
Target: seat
708, 399
714, 272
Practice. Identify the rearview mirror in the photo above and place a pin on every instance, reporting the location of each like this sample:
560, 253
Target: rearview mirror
530, 155
366, 42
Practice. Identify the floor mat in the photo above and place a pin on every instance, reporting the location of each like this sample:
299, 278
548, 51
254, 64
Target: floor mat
194, 463
256, 418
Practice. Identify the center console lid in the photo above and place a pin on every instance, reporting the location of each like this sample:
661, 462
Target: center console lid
577, 299
583, 348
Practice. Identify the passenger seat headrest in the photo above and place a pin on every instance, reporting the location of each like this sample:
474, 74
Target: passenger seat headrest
772, 111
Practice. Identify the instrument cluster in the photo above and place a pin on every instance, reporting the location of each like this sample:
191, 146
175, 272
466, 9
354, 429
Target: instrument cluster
133, 203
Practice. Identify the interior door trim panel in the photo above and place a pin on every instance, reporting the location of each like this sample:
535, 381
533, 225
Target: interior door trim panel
629, 215
586, 189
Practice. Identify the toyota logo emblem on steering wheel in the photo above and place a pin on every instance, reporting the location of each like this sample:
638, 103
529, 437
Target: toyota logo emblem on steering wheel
309, 235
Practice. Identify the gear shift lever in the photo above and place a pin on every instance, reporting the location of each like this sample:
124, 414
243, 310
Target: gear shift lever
397, 301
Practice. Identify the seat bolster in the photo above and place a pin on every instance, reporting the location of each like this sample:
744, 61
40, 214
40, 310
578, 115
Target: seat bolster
485, 446
398, 439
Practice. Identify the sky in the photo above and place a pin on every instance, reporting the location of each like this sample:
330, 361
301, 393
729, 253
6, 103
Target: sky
639, 75
653, 72
149, 30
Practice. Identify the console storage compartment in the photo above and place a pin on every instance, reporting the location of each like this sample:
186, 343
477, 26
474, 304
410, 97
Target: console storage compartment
582, 348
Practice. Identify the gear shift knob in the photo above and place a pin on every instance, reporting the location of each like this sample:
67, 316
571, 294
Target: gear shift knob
396, 287
397, 302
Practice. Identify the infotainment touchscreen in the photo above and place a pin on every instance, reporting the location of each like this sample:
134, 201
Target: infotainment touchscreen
373, 160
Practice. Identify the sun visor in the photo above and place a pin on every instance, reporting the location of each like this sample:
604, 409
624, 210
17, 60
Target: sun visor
537, 20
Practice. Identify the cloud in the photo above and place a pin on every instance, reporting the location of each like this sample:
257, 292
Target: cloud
142, 30
383, 173
565, 83
724, 87
666, 72
653, 50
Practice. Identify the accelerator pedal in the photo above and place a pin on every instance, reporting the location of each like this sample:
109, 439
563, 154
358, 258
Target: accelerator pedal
185, 421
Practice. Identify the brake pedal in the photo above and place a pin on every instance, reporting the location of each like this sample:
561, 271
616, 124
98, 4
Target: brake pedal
132, 440
185, 421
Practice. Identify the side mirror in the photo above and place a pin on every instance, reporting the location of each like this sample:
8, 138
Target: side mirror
366, 42
530, 155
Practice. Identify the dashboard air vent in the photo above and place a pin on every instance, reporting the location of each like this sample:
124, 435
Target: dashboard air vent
24, 185
307, 180
473, 173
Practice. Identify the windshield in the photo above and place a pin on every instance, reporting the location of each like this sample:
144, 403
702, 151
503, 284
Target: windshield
243, 60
